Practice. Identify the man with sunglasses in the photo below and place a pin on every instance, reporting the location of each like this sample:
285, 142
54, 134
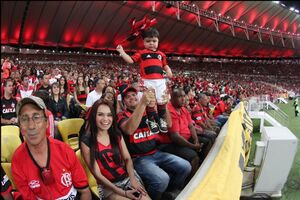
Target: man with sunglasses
42, 167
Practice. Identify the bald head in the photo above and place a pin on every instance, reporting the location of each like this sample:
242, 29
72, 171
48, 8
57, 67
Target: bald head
178, 97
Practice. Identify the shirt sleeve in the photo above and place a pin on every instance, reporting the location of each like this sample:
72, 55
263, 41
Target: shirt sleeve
121, 119
175, 124
89, 100
164, 59
79, 177
136, 57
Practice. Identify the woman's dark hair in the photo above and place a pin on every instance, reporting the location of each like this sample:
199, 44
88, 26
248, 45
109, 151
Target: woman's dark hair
113, 132
57, 85
65, 86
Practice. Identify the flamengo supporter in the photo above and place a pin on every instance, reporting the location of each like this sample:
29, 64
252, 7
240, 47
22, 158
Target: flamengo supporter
8, 104
25, 89
105, 151
44, 168
152, 64
96, 93
159, 170
45, 84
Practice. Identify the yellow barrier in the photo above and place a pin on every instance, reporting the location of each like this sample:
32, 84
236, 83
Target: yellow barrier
223, 180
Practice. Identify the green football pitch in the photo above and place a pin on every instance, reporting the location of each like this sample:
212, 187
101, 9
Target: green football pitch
291, 190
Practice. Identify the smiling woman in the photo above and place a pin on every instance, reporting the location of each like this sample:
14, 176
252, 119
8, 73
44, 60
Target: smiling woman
105, 152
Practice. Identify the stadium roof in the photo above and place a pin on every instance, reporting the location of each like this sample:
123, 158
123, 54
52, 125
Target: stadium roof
101, 25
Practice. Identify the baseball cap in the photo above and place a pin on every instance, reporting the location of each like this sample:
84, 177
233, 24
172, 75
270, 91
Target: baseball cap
31, 99
126, 90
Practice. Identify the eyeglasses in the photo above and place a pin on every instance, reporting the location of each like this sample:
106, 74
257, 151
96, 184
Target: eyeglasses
36, 118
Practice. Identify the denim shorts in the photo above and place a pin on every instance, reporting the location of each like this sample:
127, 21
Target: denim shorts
123, 184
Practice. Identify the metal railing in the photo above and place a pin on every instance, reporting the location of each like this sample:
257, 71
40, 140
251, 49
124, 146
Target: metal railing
262, 103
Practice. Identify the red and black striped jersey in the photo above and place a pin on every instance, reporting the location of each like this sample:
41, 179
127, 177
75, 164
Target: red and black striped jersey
142, 142
104, 158
152, 63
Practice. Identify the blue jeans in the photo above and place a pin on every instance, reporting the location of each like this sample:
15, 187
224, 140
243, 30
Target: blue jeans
160, 171
222, 119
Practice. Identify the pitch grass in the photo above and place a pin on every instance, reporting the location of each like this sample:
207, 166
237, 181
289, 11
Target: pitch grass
291, 190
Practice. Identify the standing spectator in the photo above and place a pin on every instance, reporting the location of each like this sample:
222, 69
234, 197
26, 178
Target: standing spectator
105, 151
152, 63
8, 104
96, 93
297, 108
160, 171
55, 171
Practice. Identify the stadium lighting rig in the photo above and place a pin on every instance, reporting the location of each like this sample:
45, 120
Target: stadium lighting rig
234, 23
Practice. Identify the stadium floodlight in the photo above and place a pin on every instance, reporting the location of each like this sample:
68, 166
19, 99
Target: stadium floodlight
297, 11
283, 5
277, 2
292, 8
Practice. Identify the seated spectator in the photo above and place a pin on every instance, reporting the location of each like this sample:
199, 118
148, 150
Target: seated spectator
63, 86
200, 115
45, 84
221, 110
183, 132
101, 139
25, 89
110, 95
81, 91
51, 129
44, 168
58, 104
96, 93
159, 170
8, 104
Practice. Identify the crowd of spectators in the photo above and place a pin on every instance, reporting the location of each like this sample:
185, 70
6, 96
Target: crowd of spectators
204, 94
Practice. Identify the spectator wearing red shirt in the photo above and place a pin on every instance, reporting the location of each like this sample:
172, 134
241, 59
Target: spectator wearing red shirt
44, 168
186, 142
221, 110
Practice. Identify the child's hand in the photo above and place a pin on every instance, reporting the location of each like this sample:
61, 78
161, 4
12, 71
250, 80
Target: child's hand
120, 48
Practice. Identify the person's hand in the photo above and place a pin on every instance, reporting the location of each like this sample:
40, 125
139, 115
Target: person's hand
197, 147
120, 49
13, 120
148, 96
129, 193
137, 185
